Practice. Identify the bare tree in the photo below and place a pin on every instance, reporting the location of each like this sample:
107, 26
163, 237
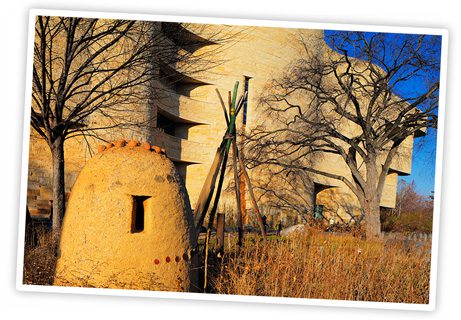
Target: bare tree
92, 75
408, 200
356, 103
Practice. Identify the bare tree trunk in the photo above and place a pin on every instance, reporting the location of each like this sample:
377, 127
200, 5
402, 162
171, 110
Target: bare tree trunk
372, 218
372, 198
57, 153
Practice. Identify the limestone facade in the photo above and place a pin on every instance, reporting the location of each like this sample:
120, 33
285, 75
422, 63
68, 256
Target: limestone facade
189, 123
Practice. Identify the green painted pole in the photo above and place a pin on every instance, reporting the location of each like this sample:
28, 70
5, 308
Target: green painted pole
232, 115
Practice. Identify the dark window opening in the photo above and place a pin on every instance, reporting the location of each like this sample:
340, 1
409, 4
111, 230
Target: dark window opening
173, 127
178, 82
166, 125
137, 218
184, 38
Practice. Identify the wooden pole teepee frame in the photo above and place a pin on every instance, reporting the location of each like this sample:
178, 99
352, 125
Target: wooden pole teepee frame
218, 167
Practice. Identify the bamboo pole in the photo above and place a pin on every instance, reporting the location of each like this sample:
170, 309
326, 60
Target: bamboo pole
232, 115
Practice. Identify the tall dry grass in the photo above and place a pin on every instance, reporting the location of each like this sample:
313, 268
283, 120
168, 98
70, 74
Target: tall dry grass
307, 265
315, 265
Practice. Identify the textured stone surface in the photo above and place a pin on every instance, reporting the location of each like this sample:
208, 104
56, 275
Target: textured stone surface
99, 247
259, 53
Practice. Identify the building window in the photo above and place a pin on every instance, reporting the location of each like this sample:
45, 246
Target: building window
137, 216
166, 125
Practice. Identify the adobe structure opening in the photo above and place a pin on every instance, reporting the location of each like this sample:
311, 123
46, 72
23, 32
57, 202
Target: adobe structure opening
137, 215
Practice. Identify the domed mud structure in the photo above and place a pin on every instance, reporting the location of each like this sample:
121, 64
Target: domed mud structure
128, 224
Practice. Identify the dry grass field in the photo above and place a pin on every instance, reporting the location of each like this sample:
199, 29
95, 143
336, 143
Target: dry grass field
323, 266
312, 264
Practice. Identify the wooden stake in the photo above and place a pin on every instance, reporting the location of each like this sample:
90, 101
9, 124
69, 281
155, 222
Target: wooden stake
237, 194
229, 100
212, 215
253, 199
206, 193
220, 223
226, 116
214, 208
207, 241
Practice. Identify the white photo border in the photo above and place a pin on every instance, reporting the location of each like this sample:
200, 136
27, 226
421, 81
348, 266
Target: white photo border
220, 297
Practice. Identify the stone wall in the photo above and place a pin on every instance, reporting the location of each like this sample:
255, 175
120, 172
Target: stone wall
192, 108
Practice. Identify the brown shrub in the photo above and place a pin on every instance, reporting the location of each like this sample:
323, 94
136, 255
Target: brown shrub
413, 212
407, 222
414, 222
39, 259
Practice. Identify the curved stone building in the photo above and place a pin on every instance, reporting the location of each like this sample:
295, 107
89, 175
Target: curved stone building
187, 120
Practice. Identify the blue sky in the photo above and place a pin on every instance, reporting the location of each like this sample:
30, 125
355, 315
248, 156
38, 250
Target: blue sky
423, 166
424, 151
